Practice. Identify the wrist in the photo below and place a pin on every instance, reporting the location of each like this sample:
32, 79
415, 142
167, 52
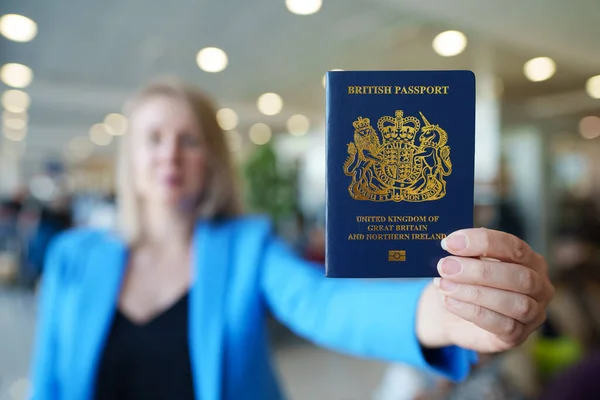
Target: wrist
430, 327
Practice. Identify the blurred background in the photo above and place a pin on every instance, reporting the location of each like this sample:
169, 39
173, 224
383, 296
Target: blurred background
67, 66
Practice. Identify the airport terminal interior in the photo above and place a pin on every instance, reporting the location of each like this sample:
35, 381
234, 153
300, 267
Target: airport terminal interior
68, 68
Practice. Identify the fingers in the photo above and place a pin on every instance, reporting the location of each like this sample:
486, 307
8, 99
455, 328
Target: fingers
513, 305
482, 242
495, 281
494, 274
505, 328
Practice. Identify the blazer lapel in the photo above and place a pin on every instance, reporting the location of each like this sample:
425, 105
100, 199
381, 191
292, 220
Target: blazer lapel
100, 290
212, 244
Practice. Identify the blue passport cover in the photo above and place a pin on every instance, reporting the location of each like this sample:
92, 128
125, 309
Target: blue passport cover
400, 169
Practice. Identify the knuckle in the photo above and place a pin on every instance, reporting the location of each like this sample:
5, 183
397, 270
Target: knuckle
475, 294
485, 238
525, 309
478, 313
510, 327
512, 330
529, 281
520, 248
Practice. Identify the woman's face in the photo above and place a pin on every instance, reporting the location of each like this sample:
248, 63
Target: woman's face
168, 156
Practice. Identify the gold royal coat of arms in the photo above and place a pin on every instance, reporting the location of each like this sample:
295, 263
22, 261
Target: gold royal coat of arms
409, 164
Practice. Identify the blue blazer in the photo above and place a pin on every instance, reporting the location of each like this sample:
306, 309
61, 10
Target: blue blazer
242, 271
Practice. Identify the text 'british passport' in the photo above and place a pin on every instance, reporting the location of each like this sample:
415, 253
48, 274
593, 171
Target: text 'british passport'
400, 169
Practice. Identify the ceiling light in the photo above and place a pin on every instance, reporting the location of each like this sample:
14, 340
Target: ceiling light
449, 43
589, 127
16, 135
227, 119
211, 59
539, 69
16, 75
16, 101
260, 133
270, 103
115, 124
23, 116
99, 135
592, 87
298, 125
324, 81
303, 7
17, 28
15, 123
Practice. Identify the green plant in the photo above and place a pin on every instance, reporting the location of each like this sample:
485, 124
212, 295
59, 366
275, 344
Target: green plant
270, 187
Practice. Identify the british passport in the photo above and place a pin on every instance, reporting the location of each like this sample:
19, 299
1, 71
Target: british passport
400, 169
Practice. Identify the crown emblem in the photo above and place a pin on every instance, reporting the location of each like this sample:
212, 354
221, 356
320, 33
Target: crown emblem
362, 123
398, 127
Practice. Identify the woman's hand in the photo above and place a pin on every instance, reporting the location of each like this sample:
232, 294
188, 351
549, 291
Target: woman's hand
491, 296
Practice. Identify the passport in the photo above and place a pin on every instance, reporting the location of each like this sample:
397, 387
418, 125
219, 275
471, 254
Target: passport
400, 154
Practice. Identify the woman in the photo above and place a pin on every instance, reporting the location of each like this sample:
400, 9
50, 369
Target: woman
173, 306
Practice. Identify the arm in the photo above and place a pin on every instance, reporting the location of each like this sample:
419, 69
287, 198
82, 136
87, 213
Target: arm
374, 319
43, 362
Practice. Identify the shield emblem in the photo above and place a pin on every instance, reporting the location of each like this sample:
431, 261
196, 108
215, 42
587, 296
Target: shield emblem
398, 165
404, 162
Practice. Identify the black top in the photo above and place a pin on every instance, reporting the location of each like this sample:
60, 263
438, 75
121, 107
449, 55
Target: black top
149, 361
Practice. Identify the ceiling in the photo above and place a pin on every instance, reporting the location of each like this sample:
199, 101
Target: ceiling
89, 55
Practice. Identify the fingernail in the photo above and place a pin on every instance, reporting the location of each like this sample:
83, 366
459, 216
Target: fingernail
447, 285
455, 242
436, 282
449, 266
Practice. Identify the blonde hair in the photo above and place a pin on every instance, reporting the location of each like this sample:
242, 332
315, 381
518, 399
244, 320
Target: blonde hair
220, 197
